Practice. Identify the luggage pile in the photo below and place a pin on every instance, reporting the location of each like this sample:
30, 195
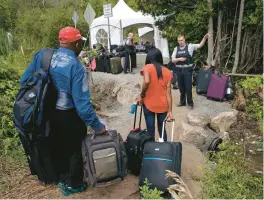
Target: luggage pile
107, 158
214, 86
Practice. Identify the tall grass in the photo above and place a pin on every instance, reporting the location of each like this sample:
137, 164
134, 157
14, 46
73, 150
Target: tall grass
4, 44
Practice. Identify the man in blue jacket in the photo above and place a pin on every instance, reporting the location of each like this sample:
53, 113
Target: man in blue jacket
73, 113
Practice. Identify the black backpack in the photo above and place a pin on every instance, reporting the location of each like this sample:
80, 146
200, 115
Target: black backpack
33, 107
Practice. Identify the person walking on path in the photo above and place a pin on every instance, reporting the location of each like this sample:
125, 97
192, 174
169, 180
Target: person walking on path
156, 96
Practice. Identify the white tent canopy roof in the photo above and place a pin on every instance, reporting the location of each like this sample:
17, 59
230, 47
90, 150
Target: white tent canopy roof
121, 11
144, 30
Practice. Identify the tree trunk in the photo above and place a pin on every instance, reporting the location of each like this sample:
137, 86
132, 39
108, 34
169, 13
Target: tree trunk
216, 61
232, 37
239, 30
211, 38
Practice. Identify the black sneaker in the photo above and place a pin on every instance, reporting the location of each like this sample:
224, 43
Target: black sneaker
181, 104
190, 107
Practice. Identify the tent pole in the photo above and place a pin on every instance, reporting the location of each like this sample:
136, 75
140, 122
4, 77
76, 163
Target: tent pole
109, 34
121, 33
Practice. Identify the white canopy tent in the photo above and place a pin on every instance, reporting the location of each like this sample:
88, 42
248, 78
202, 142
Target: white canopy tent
124, 16
146, 34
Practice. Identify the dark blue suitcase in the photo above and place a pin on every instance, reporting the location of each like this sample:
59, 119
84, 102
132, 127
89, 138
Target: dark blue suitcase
202, 81
159, 157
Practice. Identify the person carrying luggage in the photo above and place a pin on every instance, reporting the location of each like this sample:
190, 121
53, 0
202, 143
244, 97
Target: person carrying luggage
73, 112
156, 92
182, 56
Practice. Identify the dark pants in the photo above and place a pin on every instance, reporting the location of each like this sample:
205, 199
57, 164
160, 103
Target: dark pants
106, 65
150, 122
67, 132
184, 79
130, 61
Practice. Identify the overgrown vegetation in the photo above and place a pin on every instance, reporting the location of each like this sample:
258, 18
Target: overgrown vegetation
220, 18
227, 176
253, 92
147, 193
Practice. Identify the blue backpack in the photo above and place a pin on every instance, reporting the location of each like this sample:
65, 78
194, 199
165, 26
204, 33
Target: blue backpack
35, 101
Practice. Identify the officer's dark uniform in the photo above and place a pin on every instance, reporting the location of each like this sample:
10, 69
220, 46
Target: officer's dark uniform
184, 75
129, 63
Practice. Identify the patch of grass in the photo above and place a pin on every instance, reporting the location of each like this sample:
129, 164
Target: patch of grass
228, 176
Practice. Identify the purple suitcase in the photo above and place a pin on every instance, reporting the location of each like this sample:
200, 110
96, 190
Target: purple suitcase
217, 87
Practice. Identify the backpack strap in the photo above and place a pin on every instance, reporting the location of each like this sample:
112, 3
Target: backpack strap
46, 59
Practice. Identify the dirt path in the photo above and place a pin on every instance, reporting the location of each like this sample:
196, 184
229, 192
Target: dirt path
122, 121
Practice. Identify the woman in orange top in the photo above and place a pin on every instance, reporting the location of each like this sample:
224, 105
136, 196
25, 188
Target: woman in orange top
156, 92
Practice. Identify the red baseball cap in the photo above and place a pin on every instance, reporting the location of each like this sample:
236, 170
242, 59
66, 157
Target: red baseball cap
70, 34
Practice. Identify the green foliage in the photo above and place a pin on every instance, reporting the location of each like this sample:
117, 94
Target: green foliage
148, 193
254, 13
4, 45
8, 89
228, 176
44, 31
254, 103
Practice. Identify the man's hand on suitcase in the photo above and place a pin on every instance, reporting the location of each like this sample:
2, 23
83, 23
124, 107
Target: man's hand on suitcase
169, 116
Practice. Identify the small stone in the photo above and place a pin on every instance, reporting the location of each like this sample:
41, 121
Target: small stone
254, 142
251, 151
259, 172
259, 150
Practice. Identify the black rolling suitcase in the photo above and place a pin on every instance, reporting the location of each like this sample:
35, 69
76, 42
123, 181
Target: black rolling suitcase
203, 80
135, 142
159, 157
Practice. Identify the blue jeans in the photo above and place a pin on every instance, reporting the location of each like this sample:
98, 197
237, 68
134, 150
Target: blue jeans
150, 122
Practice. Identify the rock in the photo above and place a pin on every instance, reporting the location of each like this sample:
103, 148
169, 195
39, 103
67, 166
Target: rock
224, 136
224, 121
126, 93
197, 119
259, 150
259, 172
252, 152
198, 136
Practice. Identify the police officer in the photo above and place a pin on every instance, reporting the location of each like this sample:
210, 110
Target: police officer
182, 56
129, 46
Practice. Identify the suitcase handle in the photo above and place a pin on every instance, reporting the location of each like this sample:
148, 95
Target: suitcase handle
135, 118
172, 129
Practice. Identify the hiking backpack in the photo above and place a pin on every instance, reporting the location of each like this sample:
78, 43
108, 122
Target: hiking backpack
33, 107
35, 100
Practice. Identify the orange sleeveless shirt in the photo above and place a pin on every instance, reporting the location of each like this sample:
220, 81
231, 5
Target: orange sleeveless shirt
156, 98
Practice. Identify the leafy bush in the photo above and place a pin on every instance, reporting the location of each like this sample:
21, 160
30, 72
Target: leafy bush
8, 89
148, 193
254, 102
35, 34
228, 176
